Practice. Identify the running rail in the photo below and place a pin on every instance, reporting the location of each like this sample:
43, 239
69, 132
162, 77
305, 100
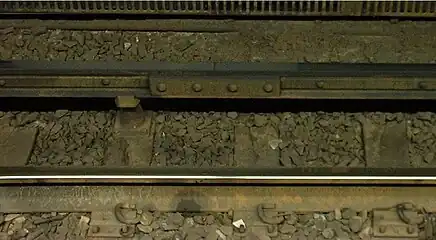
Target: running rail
83, 175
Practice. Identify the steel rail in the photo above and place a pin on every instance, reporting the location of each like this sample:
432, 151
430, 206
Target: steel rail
217, 175
217, 80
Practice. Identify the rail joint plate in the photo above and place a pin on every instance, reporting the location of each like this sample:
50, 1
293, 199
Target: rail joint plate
215, 87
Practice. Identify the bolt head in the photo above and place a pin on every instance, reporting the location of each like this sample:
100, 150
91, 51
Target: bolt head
320, 84
423, 85
161, 87
196, 87
268, 88
382, 229
105, 81
232, 88
2, 83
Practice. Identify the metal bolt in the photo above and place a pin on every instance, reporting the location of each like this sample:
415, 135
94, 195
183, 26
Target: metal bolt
232, 88
271, 228
410, 229
382, 229
267, 87
161, 87
196, 87
423, 85
320, 84
2, 83
95, 229
105, 81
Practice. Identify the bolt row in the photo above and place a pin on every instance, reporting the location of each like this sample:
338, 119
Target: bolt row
196, 87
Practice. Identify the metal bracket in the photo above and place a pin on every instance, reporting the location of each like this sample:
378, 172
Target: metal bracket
215, 86
388, 224
269, 214
105, 225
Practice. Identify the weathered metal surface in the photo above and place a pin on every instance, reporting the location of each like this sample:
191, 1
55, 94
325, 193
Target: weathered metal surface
220, 80
73, 81
359, 83
210, 198
215, 86
229, 8
388, 225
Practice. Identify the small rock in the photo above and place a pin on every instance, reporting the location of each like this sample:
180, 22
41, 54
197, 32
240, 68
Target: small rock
259, 120
10, 217
146, 237
168, 226
338, 214
355, 224
144, 229
176, 219
146, 218
328, 233
274, 143
287, 229
291, 218
366, 233
305, 218
429, 157
210, 220
232, 115
330, 216
227, 230
348, 213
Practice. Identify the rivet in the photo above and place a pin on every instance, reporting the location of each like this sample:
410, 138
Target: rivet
410, 229
267, 87
382, 229
161, 87
2, 83
105, 81
423, 85
196, 87
320, 84
232, 88
95, 229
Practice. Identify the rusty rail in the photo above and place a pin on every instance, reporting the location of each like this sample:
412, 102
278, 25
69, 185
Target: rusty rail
341, 176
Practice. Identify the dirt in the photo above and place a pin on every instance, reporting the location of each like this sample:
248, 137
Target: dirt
219, 139
52, 225
65, 137
404, 42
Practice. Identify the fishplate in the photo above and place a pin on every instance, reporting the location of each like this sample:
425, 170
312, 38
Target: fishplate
215, 86
391, 224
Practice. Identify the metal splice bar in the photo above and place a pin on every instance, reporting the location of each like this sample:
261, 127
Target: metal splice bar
217, 80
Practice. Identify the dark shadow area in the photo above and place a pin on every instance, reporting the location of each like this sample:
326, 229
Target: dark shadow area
222, 105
